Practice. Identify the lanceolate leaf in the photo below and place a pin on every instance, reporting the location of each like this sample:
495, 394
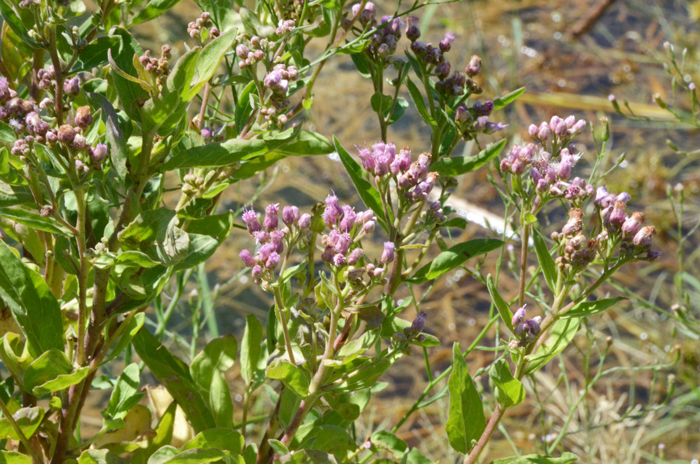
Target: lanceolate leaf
588, 308
35, 308
560, 336
466, 421
154, 9
227, 153
251, 348
455, 256
458, 165
175, 376
292, 376
50, 372
370, 196
207, 371
500, 303
209, 60
565, 458
507, 99
549, 268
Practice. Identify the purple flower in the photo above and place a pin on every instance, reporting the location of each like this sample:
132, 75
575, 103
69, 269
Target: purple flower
578, 127
643, 238
419, 322
633, 223
83, 117
618, 215
355, 256
277, 240
412, 29
270, 221
601, 196
332, 212
35, 124
304, 221
251, 219
247, 258
272, 261
544, 131
368, 227
290, 215
492, 127
242, 51
261, 236
533, 325
257, 271
624, 197
474, 66
348, 220
388, 253
72, 87
445, 43
462, 115
518, 316
341, 242
4, 90
483, 109
532, 130
264, 252
367, 159
339, 260
565, 165
99, 153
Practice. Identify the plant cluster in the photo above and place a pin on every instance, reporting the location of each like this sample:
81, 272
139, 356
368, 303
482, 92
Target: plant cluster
95, 257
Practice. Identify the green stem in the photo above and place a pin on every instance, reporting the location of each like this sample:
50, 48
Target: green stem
282, 318
22, 438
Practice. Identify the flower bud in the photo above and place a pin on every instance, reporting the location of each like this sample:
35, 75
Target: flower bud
332, 211
544, 131
247, 258
304, 221
290, 215
483, 109
83, 117
575, 222
66, 133
618, 216
368, 227
270, 221
257, 271
72, 87
388, 253
643, 238
35, 124
419, 322
633, 223
519, 316
532, 130
355, 256
446, 42
251, 220
474, 66
339, 260
98, 153
412, 29
349, 218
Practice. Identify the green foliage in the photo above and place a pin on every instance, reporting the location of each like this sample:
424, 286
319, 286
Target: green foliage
466, 421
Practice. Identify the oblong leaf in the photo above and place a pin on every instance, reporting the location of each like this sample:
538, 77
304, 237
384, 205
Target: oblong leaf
465, 421
506, 100
453, 257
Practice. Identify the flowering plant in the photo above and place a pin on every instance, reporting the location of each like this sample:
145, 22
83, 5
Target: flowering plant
94, 131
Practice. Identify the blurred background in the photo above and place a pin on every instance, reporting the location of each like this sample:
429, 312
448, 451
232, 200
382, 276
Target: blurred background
570, 55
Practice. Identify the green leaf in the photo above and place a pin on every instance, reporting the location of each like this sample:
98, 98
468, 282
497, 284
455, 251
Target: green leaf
131, 331
391, 442
278, 446
417, 98
20, 21
14, 457
94, 55
15, 54
209, 60
565, 458
163, 436
290, 375
221, 439
507, 99
125, 395
28, 420
414, 457
12, 195
458, 165
549, 268
454, 257
306, 144
509, 390
52, 371
148, 226
171, 455
101, 456
34, 220
459, 223
154, 9
560, 336
35, 308
325, 437
251, 348
368, 194
175, 376
207, 371
466, 421
361, 64
227, 153
500, 303
589, 308
118, 151
130, 93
